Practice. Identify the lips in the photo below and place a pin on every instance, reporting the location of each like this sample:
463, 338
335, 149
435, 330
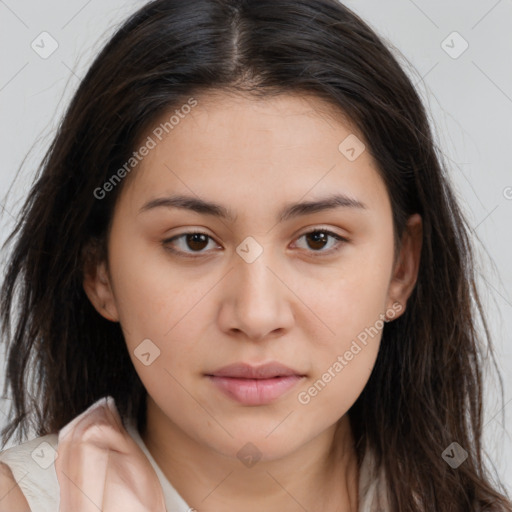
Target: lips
255, 385
246, 371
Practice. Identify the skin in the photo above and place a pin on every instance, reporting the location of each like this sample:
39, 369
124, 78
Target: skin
298, 303
12, 498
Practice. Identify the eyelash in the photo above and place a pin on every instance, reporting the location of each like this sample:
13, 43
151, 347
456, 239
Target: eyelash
321, 253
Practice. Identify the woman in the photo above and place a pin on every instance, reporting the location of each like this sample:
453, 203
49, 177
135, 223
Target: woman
172, 257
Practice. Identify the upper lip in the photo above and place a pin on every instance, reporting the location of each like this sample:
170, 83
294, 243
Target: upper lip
248, 371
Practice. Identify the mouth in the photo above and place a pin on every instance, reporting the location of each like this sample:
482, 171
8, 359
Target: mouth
255, 385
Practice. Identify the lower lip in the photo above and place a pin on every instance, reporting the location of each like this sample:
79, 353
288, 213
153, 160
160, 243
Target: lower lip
255, 391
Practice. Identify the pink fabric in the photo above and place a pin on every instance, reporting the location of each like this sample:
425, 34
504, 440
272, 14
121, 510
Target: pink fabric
100, 467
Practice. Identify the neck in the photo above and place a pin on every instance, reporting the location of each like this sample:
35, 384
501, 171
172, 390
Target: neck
320, 475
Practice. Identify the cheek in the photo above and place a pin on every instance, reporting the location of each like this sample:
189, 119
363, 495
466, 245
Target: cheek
163, 316
351, 307
334, 389
344, 359
349, 300
151, 295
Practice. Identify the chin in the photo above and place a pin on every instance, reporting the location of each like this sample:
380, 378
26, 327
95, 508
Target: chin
256, 444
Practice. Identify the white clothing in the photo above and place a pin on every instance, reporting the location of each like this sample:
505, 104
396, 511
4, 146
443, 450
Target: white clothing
33, 468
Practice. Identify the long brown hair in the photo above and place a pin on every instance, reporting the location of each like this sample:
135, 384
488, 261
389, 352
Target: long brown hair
425, 391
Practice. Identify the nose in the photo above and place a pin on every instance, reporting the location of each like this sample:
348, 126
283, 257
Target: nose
257, 302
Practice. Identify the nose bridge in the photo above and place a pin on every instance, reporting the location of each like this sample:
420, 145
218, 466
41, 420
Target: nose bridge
259, 298
252, 259
255, 282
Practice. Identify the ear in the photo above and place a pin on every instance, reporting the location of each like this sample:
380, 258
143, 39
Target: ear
405, 272
97, 286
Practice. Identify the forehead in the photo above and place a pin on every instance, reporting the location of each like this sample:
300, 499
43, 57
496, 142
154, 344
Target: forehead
244, 150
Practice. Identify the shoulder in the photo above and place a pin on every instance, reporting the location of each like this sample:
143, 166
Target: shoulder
28, 481
11, 497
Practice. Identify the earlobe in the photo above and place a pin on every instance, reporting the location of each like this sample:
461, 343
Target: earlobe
405, 273
97, 287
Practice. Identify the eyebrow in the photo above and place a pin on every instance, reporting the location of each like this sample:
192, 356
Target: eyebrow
290, 211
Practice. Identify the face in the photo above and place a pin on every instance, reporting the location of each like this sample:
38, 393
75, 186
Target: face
195, 291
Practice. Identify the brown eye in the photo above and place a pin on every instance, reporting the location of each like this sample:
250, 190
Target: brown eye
196, 241
188, 243
318, 239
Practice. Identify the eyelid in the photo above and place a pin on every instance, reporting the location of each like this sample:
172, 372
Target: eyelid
185, 254
341, 240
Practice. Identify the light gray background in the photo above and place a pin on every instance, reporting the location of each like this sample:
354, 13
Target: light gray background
469, 97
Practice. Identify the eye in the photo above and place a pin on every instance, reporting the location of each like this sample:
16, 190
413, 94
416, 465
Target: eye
317, 239
197, 241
